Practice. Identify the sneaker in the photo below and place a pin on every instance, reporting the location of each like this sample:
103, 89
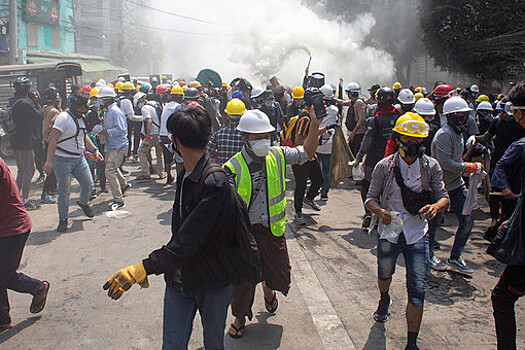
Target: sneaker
52, 192
162, 175
41, 178
324, 197
87, 210
31, 206
116, 206
312, 204
436, 264
4, 327
104, 190
367, 220
93, 195
460, 266
298, 219
47, 199
125, 188
62, 225
135, 158
143, 177
382, 314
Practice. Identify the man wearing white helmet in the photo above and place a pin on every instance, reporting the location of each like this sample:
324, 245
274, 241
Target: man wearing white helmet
406, 101
258, 173
447, 148
115, 133
484, 116
355, 116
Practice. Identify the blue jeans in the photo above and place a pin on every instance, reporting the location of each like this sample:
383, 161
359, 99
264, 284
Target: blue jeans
179, 311
325, 165
416, 261
65, 168
457, 200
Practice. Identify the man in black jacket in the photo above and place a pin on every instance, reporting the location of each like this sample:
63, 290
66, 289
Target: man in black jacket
28, 120
193, 261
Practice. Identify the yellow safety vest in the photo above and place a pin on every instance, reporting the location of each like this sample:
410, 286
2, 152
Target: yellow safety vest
275, 182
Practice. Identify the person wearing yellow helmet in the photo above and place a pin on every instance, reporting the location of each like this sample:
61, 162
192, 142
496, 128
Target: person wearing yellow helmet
118, 86
134, 126
397, 88
227, 141
418, 95
297, 104
406, 192
482, 98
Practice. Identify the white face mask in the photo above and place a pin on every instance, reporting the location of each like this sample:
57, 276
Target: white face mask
261, 148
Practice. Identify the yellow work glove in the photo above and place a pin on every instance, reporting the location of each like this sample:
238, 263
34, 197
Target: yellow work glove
124, 279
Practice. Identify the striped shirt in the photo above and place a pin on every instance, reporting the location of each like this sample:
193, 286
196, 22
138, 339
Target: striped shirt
303, 126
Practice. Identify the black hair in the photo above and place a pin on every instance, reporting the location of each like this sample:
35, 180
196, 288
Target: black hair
192, 126
517, 94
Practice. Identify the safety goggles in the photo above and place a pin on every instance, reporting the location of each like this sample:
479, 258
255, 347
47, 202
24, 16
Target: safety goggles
510, 108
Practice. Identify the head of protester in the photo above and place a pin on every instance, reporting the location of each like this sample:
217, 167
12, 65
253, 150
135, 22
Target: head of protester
353, 90
128, 89
406, 100
257, 96
298, 96
79, 105
425, 108
107, 95
457, 111
52, 98
22, 85
410, 131
441, 93
191, 94
256, 128
516, 104
234, 110
385, 97
191, 130
176, 94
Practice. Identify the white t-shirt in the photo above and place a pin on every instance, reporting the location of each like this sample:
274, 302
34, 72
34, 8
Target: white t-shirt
169, 109
148, 112
126, 106
66, 125
326, 139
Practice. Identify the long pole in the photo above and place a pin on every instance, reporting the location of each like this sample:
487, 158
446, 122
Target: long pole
13, 32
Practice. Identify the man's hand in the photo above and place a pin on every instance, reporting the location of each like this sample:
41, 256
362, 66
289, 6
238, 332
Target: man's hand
385, 217
48, 167
429, 211
474, 168
313, 117
508, 194
122, 280
350, 137
99, 156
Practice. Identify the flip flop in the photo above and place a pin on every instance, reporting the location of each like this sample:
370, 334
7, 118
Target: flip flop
236, 335
270, 303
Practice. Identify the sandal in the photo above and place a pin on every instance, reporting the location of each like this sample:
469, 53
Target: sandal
236, 335
39, 301
269, 304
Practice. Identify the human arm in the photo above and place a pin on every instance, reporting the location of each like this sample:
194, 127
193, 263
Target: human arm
51, 149
488, 136
367, 140
93, 148
437, 186
442, 151
502, 173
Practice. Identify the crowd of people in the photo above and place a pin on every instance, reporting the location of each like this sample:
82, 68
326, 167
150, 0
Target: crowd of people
423, 152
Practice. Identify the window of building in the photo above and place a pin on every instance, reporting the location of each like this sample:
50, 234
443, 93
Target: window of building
32, 34
55, 38
47, 36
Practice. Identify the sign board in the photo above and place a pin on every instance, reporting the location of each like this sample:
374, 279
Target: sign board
41, 11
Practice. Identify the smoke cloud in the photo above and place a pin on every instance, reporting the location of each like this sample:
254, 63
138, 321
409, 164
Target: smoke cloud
259, 39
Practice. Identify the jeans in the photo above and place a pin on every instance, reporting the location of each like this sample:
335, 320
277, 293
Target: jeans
416, 261
40, 156
116, 181
179, 311
457, 200
325, 164
65, 168
25, 162
312, 170
11, 249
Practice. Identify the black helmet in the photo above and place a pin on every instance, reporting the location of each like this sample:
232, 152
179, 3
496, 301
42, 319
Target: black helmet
78, 101
192, 94
22, 84
51, 95
385, 95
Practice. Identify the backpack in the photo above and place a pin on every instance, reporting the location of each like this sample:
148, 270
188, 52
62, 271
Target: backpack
158, 110
6, 120
246, 259
77, 132
288, 132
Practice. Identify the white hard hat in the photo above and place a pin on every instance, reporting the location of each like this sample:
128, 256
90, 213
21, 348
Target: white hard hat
327, 91
424, 107
406, 97
137, 97
353, 87
106, 92
255, 122
484, 106
257, 91
455, 104
474, 88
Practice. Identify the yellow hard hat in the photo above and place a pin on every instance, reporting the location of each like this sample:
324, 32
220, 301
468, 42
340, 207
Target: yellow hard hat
224, 84
418, 95
235, 107
127, 86
184, 88
411, 124
418, 89
195, 84
298, 92
482, 98
137, 88
94, 92
177, 90
397, 85
118, 86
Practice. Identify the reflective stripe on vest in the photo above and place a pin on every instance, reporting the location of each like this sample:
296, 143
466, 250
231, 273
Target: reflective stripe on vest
275, 182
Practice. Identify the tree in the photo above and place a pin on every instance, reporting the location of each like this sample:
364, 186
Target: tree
477, 37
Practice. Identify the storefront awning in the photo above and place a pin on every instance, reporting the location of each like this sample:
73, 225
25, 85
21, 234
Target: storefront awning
88, 65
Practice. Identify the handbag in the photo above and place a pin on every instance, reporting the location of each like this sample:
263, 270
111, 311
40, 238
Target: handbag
412, 201
508, 246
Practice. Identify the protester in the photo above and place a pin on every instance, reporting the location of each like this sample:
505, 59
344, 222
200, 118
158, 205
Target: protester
50, 111
174, 103
355, 116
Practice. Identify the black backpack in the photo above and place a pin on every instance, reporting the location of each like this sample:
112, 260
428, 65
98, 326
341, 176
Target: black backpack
158, 109
6, 119
245, 257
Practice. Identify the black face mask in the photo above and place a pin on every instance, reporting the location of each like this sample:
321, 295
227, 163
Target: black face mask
411, 149
458, 123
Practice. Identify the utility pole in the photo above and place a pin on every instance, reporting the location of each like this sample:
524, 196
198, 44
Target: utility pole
13, 32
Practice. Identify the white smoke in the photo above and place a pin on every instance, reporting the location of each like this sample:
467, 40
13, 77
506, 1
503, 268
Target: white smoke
265, 38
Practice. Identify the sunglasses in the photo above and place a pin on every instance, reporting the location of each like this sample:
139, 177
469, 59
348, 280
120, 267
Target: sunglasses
510, 108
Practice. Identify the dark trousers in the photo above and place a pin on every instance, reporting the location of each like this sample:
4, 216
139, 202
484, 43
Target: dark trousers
309, 170
506, 205
356, 143
11, 249
50, 183
101, 169
133, 135
510, 287
40, 156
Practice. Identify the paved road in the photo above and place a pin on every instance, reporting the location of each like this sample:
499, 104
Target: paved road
330, 304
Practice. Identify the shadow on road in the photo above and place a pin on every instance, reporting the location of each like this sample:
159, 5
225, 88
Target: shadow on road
376, 338
260, 335
8, 334
45, 237
446, 291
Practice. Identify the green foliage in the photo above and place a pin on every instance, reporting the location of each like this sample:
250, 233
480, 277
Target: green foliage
477, 37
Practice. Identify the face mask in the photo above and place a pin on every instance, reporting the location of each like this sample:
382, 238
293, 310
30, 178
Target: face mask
268, 103
261, 148
411, 149
457, 123
97, 103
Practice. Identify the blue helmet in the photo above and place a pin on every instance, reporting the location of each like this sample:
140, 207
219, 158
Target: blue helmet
145, 88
